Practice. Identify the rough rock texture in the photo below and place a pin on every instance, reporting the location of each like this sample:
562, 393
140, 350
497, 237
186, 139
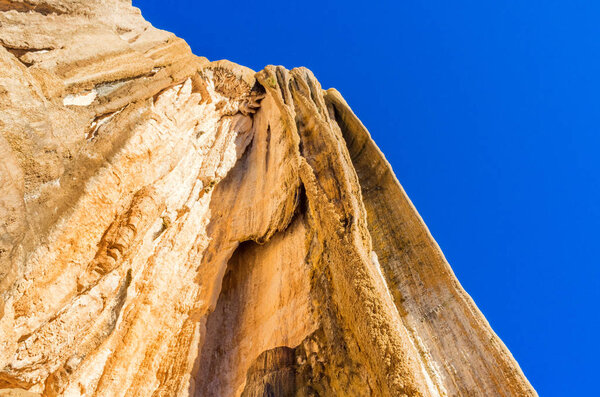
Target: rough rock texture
174, 226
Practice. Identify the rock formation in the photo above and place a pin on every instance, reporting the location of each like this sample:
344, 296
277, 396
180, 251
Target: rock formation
171, 226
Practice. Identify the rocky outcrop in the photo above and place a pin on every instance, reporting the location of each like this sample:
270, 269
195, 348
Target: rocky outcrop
174, 226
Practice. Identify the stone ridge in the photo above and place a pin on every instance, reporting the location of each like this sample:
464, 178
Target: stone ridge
175, 226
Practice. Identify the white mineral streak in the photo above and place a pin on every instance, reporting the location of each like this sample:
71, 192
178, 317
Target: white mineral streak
80, 99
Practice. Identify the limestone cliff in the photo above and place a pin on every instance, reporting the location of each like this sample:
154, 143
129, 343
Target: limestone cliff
171, 226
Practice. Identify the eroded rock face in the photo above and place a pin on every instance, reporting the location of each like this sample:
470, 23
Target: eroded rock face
174, 226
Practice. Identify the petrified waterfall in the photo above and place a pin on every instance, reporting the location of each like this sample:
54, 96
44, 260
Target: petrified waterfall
171, 226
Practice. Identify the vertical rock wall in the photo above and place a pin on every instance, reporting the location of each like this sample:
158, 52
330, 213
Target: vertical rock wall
174, 226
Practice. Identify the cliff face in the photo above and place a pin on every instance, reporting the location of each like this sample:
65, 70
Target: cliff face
174, 226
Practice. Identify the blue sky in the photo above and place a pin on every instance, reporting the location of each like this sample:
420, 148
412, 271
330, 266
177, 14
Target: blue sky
489, 114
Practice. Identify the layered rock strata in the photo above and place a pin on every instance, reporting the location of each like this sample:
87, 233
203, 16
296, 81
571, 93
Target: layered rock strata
174, 226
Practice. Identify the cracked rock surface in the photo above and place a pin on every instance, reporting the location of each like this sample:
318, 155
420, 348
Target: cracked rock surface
171, 226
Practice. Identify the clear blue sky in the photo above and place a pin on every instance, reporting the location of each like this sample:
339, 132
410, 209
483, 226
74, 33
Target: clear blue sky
489, 113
